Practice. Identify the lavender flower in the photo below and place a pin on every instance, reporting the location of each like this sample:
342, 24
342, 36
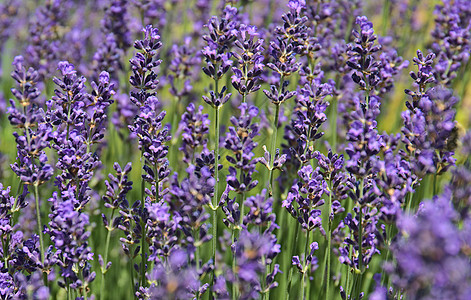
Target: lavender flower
429, 132
76, 131
10, 8
11, 238
184, 60
115, 198
69, 235
161, 230
361, 59
260, 210
422, 78
116, 22
239, 140
100, 100
152, 11
430, 258
221, 35
304, 198
394, 181
175, 280
152, 138
253, 251
452, 39
143, 64
304, 128
461, 180
32, 166
311, 262
43, 40
108, 57
194, 126
20, 286
189, 199
250, 66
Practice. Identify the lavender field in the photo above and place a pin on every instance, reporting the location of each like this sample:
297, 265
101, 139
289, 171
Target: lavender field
269, 149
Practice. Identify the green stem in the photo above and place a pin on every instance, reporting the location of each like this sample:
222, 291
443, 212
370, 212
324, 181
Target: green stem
105, 261
360, 250
197, 249
216, 175
328, 249
234, 295
214, 202
143, 225
303, 283
388, 238
242, 199
293, 246
347, 284
131, 266
333, 124
273, 148
435, 191
40, 232
409, 202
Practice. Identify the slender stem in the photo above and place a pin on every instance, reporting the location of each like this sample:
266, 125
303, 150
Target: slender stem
328, 249
105, 262
234, 295
347, 281
435, 191
143, 225
333, 124
197, 248
293, 246
267, 290
360, 250
40, 227
242, 199
6, 257
409, 202
216, 190
273, 148
388, 238
131, 266
303, 283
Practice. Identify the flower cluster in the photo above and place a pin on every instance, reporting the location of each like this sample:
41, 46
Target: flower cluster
309, 183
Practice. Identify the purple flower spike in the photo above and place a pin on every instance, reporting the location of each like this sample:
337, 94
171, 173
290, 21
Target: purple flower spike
451, 39
143, 64
69, 236
361, 60
116, 22
174, 280
32, 166
239, 140
305, 197
430, 132
182, 66
250, 61
251, 250
195, 130
431, 255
